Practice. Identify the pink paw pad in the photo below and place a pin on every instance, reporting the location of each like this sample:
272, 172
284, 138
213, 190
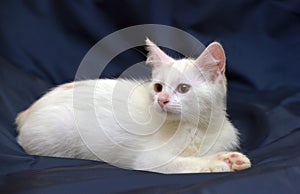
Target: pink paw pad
236, 161
228, 161
239, 162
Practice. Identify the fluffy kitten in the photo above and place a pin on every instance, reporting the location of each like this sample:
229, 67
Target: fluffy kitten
175, 123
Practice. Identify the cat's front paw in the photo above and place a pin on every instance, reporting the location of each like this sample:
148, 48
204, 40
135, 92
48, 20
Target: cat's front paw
235, 161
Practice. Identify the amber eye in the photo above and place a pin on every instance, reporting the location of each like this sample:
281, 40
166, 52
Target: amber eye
183, 88
158, 87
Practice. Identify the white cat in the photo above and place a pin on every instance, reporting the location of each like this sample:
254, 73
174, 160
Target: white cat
175, 123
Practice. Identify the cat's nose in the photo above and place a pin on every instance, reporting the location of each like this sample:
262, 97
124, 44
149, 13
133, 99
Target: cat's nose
162, 102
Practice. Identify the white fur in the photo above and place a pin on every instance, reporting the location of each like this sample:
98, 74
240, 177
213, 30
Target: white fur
120, 121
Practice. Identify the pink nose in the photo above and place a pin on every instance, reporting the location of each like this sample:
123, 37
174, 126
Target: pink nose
162, 102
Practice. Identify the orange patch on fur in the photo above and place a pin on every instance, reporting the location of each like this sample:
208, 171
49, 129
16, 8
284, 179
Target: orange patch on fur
68, 86
21, 115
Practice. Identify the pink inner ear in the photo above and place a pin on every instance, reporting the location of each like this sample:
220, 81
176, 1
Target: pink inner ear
156, 56
213, 56
217, 52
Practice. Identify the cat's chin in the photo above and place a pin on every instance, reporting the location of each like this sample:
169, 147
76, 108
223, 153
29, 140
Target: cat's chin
169, 115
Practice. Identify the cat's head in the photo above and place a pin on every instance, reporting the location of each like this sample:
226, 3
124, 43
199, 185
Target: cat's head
187, 87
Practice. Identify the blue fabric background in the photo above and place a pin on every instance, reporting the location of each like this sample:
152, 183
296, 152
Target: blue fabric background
43, 42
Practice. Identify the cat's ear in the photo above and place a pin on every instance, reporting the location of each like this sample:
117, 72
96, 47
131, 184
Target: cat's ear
213, 59
156, 57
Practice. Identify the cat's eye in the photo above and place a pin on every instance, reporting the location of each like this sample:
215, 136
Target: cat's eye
183, 88
158, 87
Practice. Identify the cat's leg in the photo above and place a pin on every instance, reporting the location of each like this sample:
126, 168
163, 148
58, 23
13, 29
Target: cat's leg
221, 162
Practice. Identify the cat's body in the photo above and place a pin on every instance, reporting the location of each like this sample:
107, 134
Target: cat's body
175, 123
